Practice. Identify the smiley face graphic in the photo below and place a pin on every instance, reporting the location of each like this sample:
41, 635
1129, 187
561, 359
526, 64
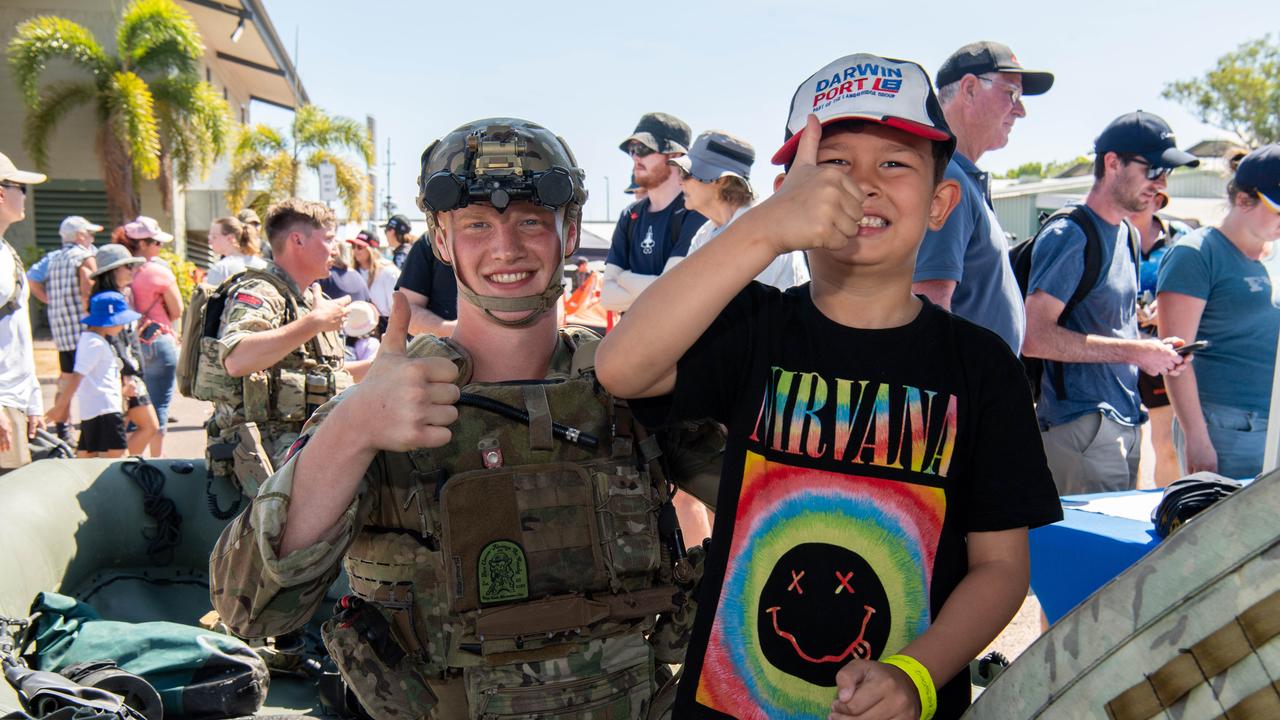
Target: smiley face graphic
821, 607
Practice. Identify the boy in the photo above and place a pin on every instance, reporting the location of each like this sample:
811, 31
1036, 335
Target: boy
883, 461
95, 382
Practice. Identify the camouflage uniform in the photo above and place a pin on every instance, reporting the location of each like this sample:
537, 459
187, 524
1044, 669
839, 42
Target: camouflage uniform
524, 586
274, 403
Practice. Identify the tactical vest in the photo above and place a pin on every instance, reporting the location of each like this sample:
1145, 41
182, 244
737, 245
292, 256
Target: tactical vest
305, 377
532, 533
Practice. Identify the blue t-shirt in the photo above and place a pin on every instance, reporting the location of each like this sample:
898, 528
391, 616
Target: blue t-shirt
972, 251
40, 271
1109, 310
651, 242
1241, 318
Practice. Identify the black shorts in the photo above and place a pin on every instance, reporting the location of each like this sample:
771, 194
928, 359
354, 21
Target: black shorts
1151, 389
67, 361
102, 433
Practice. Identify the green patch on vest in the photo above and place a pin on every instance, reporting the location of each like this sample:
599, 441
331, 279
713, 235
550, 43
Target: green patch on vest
503, 572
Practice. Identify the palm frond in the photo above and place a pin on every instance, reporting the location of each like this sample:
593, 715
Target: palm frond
134, 122
353, 185
44, 38
259, 140
313, 128
282, 175
240, 180
195, 124
158, 36
55, 102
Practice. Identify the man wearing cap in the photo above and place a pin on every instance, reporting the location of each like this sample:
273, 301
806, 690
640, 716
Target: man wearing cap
1089, 409
428, 284
397, 231
21, 404
67, 288
651, 231
715, 177
964, 267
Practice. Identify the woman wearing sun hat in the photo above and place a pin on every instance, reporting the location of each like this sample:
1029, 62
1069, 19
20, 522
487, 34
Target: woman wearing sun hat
155, 294
1215, 286
116, 266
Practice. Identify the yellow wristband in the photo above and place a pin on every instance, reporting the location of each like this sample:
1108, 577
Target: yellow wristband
919, 675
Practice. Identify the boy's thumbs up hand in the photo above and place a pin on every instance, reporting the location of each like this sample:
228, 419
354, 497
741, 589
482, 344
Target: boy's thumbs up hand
817, 206
411, 399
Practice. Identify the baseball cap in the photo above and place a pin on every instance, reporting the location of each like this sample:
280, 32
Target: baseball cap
108, 309
632, 187
986, 56
365, 238
1147, 135
10, 172
660, 132
112, 256
1260, 169
896, 93
249, 216
74, 224
716, 154
399, 223
144, 228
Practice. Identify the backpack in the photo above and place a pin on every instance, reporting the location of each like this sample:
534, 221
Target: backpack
200, 324
1020, 260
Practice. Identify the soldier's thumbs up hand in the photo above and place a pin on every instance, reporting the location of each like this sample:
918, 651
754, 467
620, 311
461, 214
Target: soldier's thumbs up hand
326, 314
413, 399
817, 206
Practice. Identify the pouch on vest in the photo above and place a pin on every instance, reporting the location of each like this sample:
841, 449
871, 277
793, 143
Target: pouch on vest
250, 459
257, 396
211, 381
291, 389
384, 678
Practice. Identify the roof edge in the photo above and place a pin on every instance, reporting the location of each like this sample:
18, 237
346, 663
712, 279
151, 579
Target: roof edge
268, 32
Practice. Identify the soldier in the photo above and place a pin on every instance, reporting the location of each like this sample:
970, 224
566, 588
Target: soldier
277, 356
507, 533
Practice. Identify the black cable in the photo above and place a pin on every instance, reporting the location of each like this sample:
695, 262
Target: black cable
162, 510
563, 432
212, 498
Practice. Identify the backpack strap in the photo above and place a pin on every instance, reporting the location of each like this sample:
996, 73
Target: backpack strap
1088, 280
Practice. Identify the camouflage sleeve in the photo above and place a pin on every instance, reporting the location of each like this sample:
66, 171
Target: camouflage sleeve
252, 306
256, 592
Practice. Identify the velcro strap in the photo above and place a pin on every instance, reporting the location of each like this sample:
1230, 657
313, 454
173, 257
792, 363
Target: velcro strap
380, 572
542, 616
535, 402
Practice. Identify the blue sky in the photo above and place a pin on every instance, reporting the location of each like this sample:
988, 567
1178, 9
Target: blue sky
588, 70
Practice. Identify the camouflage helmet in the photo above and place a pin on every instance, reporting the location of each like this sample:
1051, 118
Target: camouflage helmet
498, 161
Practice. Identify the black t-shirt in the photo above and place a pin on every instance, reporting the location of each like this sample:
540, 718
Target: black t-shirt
857, 460
424, 274
653, 237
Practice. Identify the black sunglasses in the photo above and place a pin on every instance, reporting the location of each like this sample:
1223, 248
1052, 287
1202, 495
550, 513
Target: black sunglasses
21, 187
636, 149
1153, 172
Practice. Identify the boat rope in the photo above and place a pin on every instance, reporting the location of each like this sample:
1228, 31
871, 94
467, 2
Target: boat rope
168, 531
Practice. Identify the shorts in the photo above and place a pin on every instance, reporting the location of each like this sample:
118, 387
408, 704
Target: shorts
1151, 389
102, 433
19, 452
67, 361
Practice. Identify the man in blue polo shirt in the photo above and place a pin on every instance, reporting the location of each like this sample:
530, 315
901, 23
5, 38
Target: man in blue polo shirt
653, 230
964, 267
1089, 420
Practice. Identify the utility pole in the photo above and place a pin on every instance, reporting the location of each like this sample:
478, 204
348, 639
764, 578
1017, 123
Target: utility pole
607, 214
390, 206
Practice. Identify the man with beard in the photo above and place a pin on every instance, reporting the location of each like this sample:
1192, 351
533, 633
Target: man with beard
653, 230
1089, 409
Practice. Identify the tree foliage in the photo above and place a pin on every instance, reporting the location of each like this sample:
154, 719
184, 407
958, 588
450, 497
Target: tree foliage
1240, 94
1038, 169
157, 119
272, 161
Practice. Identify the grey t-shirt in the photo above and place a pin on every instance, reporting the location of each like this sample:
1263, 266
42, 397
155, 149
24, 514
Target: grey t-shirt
1109, 310
972, 251
1241, 317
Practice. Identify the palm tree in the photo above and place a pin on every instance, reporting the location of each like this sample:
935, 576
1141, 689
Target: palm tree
267, 157
157, 120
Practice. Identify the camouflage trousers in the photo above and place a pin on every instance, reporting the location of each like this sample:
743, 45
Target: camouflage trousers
609, 679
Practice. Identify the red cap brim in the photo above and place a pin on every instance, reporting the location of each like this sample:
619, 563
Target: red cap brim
788, 150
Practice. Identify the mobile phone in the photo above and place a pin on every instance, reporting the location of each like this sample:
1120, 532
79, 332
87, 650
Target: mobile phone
1192, 347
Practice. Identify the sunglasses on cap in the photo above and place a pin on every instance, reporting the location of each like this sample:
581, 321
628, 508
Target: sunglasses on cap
20, 187
1153, 172
636, 149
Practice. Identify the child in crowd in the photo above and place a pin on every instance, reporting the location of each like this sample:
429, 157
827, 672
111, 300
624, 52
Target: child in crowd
95, 383
883, 461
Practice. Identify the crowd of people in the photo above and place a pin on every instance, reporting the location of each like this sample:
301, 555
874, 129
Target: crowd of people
855, 342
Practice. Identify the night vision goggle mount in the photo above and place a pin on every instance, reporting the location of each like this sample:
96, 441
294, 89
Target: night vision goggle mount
495, 173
